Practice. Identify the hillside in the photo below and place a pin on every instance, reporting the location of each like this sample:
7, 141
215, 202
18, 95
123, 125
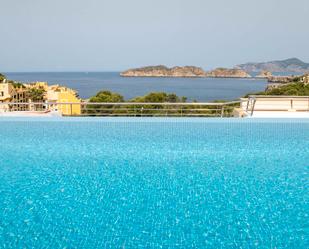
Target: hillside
289, 65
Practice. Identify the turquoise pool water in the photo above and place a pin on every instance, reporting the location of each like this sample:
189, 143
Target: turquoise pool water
153, 183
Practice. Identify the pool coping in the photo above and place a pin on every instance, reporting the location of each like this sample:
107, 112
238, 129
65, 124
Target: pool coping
154, 119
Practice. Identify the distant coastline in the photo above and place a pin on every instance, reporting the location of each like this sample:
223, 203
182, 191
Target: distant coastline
293, 65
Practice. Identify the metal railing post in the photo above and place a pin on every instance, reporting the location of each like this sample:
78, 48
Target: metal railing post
222, 111
253, 106
247, 108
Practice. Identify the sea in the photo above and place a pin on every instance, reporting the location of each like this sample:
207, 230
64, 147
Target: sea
195, 89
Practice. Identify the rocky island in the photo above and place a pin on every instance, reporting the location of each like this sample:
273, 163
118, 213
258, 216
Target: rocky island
163, 71
228, 73
184, 72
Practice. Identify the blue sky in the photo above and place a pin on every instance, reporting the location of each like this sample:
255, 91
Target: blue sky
101, 35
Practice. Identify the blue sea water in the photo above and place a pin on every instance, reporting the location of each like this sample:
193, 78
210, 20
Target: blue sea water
200, 89
153, 183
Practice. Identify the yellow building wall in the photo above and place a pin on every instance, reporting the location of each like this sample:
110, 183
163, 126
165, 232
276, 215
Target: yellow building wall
66, 109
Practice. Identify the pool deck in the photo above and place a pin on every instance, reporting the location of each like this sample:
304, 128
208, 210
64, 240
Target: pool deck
279, 114
256, 114
30, 114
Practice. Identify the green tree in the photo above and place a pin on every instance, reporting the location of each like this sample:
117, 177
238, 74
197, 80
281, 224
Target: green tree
159, 97
16, 84
2, 77
104, 97
107, 97
37, 94
297, 87
291, 89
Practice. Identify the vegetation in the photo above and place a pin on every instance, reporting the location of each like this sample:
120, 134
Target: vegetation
103, 97
16, 84
293, 89
37, 94
2, 77
154, 97
107, 97
150, 109
159, 97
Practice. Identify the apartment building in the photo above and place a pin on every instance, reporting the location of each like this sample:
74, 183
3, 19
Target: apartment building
13, 93
60, 94
55, 94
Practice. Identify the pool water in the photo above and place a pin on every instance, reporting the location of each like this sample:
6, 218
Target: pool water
154, 183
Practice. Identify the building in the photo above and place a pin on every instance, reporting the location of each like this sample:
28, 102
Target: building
37, 84
56, 94
13, 93
305, 79
52, 98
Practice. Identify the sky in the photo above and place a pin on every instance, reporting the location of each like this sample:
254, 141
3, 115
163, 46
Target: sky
113, 35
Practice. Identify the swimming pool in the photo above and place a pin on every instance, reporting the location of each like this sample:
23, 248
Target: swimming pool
153, 183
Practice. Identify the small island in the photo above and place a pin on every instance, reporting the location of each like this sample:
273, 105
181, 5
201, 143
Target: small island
184, 72
163, 71
228, 73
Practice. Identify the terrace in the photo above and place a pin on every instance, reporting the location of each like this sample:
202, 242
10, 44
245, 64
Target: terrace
274, 106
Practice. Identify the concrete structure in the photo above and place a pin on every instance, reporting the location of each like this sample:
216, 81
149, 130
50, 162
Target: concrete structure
273, 106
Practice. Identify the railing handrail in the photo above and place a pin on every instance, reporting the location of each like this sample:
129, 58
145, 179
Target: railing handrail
278, 97
219, 109
126, 103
